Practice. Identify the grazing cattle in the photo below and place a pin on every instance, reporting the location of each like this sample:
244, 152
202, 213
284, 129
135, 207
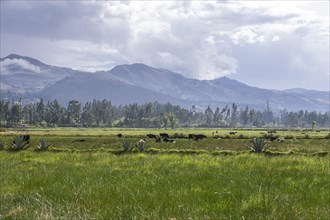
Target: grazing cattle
119, 135
199, 137
163, 135
271, 132
165, 139
196, 137
232, 132
151, 136
78, 140
158, 139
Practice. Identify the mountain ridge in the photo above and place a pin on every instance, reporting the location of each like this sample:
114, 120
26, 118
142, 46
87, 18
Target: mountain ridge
141, 83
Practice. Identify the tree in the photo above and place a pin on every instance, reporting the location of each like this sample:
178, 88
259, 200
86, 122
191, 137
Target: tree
73, 112
313, 125
209, 116
233, 117
87, 115
245, 116
15, 112
165, 121
172, 119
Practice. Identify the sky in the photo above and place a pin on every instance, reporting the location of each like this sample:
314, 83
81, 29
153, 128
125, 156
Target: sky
267, 44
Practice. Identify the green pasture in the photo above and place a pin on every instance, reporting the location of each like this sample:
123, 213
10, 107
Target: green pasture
217, 139
140, 186
82, 176
141, 132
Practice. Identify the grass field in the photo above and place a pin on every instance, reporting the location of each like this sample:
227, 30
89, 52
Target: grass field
90, 182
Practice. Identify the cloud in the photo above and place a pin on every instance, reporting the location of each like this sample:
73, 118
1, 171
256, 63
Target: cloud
5, 64
200, 39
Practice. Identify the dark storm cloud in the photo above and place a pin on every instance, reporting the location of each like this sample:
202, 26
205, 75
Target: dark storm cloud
59, 20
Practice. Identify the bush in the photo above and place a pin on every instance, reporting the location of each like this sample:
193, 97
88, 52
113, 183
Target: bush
18, 144
2, 145
43, 145
141, 145
327, 136
126, 145
179, 135
241, 136
289, 137
259, 145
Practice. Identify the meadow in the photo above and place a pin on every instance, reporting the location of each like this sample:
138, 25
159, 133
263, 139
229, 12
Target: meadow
207, 179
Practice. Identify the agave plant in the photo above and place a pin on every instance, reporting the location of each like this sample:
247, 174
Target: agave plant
259, 145
19, 144
141, 145
126, 145
2, 145
43, 145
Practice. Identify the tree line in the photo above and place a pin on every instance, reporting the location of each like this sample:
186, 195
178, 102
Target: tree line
102, 113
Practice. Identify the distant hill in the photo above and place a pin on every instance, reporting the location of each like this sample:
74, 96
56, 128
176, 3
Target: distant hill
124, 84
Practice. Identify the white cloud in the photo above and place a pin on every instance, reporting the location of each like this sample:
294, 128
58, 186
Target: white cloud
5, 64
197, 38
276, 38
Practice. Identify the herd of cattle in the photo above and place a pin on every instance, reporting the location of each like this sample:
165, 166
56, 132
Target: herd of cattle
166, 137
196, 137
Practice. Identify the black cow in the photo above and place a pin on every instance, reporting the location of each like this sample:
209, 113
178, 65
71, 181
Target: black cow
119, 135
164, 135
199, 137
165, 139
151, 136
232, 132
196, 137
190, 136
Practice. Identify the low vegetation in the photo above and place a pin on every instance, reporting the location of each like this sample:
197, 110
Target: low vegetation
43, 145
98, 174
18, 143
102, 186
259, 145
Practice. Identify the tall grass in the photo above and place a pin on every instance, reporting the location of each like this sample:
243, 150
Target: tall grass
140, 186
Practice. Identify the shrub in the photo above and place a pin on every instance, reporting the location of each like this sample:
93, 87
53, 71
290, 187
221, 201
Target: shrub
327, 136
141, 145
259, 145
18, 144
2, 145
241, 136
179, 135
126, 145
43, 145
289, 137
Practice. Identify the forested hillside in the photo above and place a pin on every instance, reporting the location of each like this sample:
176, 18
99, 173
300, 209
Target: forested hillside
103, 113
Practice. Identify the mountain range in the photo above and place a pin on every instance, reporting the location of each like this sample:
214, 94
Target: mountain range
30, 79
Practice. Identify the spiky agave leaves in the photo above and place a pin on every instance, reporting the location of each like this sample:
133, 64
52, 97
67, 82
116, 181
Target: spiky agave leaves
43, 145
126, 145
141, 145
19, 144
259, 145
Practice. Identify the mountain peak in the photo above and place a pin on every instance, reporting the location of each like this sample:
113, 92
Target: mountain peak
28, 59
